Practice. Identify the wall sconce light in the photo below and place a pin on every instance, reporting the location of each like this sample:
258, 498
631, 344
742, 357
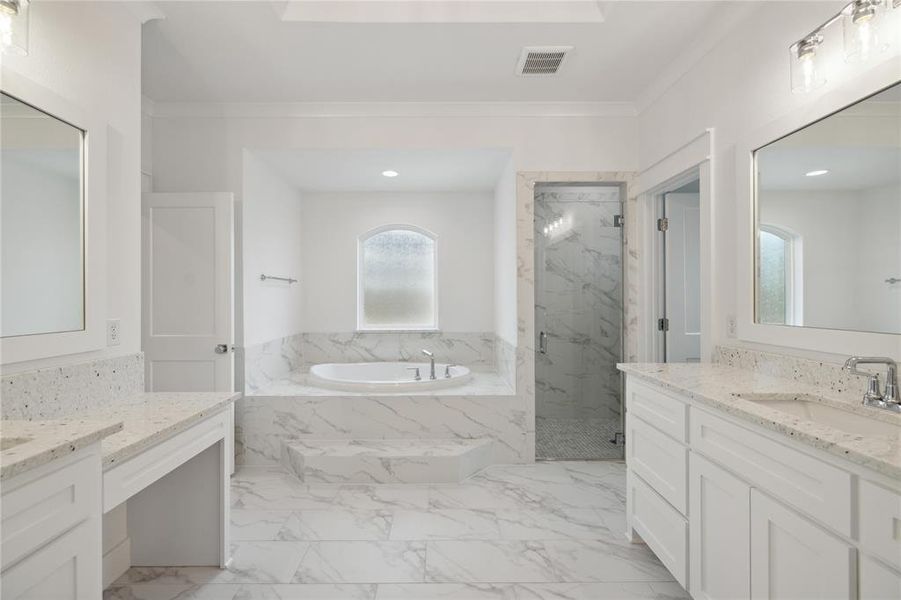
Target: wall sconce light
861, 23
14, 27
806, 74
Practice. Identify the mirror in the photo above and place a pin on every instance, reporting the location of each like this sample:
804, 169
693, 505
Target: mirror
828, 221
42, 287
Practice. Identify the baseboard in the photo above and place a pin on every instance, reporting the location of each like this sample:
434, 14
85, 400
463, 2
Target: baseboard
116, 562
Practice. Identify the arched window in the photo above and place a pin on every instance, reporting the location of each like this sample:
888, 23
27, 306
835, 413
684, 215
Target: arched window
396, 286
779, 278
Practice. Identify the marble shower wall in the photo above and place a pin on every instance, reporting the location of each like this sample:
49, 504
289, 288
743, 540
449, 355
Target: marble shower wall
578, 278
58, 392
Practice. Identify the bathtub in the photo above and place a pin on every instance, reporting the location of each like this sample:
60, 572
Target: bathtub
385, 376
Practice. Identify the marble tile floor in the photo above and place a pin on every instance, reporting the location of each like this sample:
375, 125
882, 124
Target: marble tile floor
511, 532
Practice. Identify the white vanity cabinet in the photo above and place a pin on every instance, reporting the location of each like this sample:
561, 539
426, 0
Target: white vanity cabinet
766, 518
51, 530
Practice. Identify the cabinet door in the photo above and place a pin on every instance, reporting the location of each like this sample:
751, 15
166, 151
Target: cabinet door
720, 509
68, 568
793, 559
877, 581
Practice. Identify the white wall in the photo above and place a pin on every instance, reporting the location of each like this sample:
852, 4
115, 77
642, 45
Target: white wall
272, 244
741, 85
505, 255
90, 54
463, 224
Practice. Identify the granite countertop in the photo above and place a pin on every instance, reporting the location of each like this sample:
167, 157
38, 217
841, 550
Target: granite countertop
48, 441
151, 417
719, 386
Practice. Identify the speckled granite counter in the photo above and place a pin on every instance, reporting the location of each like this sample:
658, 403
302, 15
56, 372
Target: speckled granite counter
716, 386
47, 441
151, 417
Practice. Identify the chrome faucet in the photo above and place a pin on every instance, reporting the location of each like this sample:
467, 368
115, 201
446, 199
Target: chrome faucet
874, 395
447, 371
432, 360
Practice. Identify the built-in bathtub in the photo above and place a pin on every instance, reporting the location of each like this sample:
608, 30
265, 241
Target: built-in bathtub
387, 377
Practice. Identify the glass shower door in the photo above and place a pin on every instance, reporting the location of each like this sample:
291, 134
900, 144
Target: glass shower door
578, 314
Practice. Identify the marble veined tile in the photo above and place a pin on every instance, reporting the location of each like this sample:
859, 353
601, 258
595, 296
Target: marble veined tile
382, 496
559, 524
242, 592
596, 591
445, 591
479, 495
282, 494
450, 524
604, 560
546, 472
363, 562
488, 561
247, 525
339, 524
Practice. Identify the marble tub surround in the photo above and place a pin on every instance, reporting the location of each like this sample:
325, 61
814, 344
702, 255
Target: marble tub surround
151, 417
474, 350
386, 460
719, 386
272, 360
512, 532
826, 375
37, 443
79, 388
505, 360
265, 423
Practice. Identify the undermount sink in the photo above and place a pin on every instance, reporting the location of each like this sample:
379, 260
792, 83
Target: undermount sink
11, 442
810, 409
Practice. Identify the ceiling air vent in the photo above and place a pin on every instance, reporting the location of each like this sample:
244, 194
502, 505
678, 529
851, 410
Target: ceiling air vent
542, 60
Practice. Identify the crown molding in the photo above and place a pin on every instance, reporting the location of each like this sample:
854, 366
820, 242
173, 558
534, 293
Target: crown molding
300, 110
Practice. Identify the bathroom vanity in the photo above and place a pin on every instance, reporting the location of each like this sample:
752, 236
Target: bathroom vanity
167, 456
745, 487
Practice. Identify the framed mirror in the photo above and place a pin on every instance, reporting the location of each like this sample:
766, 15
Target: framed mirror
52, 224
827, 221
41, 222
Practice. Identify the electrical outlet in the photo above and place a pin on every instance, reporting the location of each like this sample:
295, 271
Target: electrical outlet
731, 326
112, 332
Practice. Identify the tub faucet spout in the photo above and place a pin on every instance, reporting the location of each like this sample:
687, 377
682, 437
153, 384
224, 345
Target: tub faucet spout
432, 360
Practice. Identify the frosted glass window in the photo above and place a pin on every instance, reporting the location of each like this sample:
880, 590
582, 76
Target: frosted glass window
778, 294
397, 280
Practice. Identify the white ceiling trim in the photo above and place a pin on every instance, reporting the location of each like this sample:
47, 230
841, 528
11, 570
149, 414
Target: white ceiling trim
441, 11
391, 109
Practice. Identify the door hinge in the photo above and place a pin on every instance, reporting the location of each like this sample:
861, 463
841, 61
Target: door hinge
662, 224
619, 220
663, 324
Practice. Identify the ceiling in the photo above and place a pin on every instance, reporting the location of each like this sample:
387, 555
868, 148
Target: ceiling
234, 51
476, 170
850, 167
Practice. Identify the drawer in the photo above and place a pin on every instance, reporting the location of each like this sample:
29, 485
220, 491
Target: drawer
665, 411
809, 484
48, 502
660, 460
663, 529
880, 522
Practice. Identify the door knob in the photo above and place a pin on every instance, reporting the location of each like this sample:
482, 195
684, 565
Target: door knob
221, 348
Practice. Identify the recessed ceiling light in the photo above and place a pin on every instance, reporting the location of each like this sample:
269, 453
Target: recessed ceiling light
390, 173
816, 173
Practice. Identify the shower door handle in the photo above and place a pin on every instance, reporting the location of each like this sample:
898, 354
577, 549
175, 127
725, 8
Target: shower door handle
542, 342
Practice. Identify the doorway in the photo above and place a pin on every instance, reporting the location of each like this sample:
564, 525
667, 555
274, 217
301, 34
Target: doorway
679, 275
579, 320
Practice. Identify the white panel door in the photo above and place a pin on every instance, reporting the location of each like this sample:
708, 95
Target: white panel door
720, 537
683, 277
794, 559
187, 291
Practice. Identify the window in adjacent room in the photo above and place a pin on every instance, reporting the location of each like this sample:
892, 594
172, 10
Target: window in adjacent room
779, 278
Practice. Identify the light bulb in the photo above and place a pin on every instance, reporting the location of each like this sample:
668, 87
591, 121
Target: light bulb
861, 22
805, 72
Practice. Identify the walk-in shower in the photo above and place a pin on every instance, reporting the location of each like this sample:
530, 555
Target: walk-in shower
579, 317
